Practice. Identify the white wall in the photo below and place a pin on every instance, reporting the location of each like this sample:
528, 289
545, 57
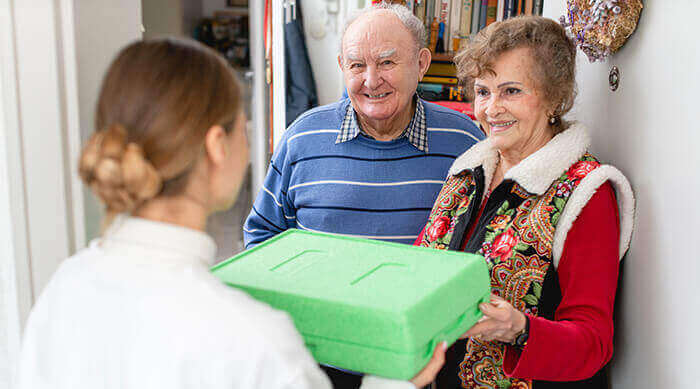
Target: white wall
192, 10
102, 27
163, 17
209, 6
53, 55
35, 115
649, 129
14, 301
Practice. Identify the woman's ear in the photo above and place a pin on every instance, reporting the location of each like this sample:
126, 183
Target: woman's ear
215, 144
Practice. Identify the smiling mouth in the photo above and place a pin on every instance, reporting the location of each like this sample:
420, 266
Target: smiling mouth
376, 97
503, 124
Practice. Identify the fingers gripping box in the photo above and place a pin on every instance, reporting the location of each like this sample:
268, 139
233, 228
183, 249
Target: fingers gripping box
363, 305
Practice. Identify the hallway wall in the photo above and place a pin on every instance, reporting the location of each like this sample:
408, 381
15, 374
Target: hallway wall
648, 128
53, 54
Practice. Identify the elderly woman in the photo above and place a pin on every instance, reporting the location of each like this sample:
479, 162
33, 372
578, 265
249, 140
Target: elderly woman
541, 210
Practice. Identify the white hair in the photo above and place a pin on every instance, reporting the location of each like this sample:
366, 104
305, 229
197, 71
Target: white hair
407, 18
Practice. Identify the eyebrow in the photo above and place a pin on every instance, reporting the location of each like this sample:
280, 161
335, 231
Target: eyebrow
509, 83
501, 85
352, 57
387, 53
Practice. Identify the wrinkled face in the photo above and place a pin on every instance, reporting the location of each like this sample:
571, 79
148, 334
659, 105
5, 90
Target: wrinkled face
381, 66
509, 105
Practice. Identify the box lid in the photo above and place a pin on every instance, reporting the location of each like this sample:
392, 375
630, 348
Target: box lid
382, 295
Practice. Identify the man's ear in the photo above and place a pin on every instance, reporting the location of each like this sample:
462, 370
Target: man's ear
340, 63
215, 144
424, 58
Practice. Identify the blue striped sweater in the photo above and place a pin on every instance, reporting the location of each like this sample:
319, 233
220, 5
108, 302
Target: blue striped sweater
361, 187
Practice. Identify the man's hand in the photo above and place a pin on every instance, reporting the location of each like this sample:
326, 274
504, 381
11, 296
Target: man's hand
430, 371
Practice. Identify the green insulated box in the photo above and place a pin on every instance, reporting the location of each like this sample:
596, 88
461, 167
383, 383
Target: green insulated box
363, 305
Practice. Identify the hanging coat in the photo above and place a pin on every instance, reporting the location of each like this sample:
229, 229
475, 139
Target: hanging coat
301, 88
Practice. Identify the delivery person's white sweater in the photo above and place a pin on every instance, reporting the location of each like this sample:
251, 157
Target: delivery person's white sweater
138, 308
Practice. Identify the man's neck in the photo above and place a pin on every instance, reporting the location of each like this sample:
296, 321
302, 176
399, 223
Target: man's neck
390, 129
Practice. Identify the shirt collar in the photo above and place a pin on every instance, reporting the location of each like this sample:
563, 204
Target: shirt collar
416, 132
176, 242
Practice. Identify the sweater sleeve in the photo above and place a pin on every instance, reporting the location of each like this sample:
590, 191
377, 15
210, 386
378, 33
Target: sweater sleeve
420, 237
579, 341
272, 212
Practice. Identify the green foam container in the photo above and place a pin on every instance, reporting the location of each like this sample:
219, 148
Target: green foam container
364, 305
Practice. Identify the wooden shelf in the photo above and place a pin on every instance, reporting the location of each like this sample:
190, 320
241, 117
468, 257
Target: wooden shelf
443, 57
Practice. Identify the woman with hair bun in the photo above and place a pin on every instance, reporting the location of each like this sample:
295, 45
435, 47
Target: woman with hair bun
138, 308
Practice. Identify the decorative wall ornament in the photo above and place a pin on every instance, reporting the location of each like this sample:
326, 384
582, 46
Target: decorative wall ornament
601, 27
614, 78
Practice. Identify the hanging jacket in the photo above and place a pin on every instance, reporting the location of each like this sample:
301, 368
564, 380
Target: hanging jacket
301, 88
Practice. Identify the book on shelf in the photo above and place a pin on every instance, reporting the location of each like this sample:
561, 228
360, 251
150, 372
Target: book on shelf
509, 10
465, 18
492, 6
476, 14
429, 13
455, 13
484, 10
537, 7
500, 10
528, 7
419, 10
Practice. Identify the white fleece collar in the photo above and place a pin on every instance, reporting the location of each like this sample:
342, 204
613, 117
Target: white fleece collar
536, 172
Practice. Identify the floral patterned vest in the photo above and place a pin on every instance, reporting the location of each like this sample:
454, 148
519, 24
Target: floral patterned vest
515, 235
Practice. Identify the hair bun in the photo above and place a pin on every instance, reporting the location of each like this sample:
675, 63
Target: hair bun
140, 177
117, 172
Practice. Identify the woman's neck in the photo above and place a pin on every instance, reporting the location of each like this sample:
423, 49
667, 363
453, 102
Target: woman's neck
509, 158
181, 210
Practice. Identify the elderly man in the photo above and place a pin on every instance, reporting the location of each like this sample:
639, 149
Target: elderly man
370, 165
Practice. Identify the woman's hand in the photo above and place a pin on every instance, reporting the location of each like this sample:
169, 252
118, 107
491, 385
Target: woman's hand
430, 371
501, 322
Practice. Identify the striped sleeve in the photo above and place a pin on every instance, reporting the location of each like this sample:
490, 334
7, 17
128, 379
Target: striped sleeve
271, 213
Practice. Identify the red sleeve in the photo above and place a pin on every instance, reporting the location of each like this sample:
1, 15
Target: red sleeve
579, 341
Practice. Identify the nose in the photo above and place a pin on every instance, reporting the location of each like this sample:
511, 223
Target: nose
373, 78
494, 106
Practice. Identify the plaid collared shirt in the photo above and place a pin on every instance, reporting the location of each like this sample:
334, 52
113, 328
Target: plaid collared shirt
416, 132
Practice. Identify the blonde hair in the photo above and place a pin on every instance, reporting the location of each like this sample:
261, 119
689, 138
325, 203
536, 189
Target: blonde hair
552, 53
157, 102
